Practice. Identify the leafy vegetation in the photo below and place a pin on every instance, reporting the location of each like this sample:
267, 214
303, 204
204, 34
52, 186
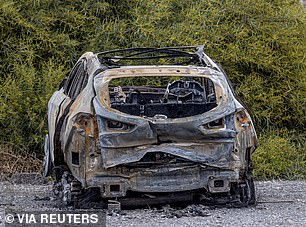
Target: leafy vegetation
281, 154
260, 44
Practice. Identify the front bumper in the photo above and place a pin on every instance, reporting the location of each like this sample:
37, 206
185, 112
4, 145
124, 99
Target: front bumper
171, 178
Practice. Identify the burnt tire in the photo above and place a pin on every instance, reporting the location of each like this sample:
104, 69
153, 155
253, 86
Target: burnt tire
247, 191
70, 192
252, 199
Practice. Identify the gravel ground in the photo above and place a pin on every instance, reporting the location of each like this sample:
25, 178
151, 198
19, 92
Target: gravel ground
280, 203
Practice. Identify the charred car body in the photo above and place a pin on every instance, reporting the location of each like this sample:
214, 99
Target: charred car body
168, 132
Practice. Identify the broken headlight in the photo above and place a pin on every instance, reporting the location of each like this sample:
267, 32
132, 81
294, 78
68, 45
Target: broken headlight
117, 125
219, 123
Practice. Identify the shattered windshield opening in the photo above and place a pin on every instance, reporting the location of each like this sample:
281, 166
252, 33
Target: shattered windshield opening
162, 96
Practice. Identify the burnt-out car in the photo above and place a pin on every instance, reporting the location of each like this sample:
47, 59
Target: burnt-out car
152, 124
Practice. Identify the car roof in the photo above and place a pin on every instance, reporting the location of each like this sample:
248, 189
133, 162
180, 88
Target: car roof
181, 55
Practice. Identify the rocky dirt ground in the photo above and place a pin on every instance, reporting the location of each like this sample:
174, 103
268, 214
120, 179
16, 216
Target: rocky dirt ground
280, 203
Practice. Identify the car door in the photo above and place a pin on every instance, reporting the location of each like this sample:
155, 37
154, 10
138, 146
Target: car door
58, 109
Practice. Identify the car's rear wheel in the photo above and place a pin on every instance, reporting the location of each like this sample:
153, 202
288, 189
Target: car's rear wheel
252, 198
247, 191
69, 190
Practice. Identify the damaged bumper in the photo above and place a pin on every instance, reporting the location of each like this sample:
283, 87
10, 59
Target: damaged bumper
165, 179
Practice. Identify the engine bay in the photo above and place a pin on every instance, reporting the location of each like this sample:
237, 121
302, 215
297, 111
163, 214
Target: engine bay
181, 98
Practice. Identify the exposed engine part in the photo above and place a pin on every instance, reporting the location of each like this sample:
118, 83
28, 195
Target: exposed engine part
185, 90
119, 95
182, 98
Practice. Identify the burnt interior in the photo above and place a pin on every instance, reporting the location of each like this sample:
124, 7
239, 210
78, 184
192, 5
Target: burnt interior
180, 98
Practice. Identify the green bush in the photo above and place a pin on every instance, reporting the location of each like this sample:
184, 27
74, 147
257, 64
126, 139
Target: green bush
280, 155
24, 102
